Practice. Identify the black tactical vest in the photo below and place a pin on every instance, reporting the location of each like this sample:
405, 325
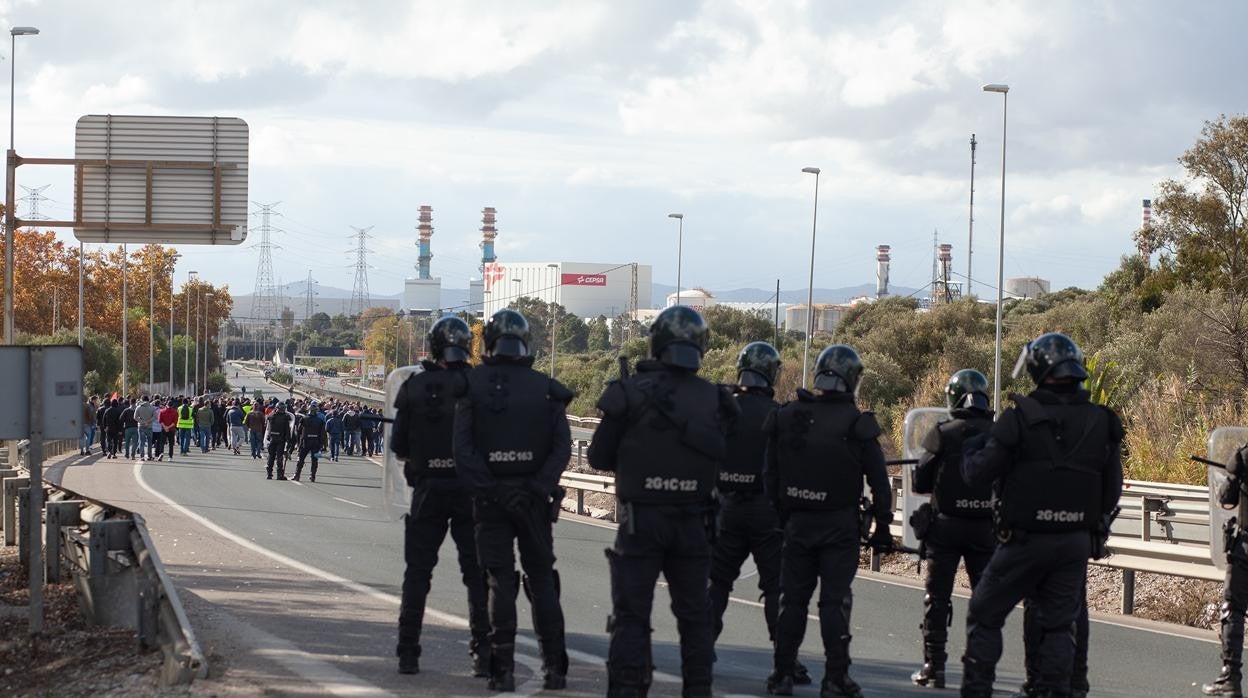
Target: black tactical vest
674, 444
747, 444
1055, 484
819, 459
951, 495
428, 410
510, 418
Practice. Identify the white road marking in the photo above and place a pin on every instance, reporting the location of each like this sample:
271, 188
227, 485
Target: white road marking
354, 504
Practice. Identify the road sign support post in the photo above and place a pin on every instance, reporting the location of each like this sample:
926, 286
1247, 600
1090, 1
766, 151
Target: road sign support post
34, 457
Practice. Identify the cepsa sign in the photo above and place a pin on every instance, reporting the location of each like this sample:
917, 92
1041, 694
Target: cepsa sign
584, 280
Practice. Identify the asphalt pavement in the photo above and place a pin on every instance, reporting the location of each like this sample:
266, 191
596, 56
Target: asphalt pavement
297, 586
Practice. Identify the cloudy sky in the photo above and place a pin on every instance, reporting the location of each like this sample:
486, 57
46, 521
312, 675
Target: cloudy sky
585, 122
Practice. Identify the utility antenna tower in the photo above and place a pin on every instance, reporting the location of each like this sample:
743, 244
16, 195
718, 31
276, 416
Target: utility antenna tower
33, 196
970, 223
309, 293
264, 306
632, 305
359, 293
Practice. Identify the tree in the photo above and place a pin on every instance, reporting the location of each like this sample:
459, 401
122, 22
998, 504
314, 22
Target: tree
1203, 232
599, 334
319, 322
287, 318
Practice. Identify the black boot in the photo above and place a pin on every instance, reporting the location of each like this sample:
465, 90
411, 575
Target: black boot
1231, 632
479, 648
976, 679
502, 668
836, 681
409, 660
554, 664
626, 683
932, 674
801, 675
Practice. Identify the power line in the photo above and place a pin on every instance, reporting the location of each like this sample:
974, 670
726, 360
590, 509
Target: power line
34, 195
359, 292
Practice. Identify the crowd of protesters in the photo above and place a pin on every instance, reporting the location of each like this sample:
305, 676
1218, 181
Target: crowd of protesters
153, 428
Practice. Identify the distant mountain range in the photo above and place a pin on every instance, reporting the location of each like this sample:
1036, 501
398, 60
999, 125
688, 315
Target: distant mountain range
332, 300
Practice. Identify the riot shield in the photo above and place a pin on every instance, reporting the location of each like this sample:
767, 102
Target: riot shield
919, 422
1223, 443
396, 495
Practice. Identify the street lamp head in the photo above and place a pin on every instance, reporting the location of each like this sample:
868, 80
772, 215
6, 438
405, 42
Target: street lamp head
811, 170
677, 216
23, 31
994, 87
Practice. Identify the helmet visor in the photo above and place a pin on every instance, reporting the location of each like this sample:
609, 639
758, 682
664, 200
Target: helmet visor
681, 355
1021, 364
1068, 369
512, 347
454, 355
973, 401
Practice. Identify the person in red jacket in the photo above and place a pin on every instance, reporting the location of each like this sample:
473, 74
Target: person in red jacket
168, 418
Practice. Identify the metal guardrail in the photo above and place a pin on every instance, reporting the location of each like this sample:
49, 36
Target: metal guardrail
120, 579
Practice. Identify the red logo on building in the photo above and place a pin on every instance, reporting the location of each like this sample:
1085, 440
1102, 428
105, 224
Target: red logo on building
584, 280
493, 273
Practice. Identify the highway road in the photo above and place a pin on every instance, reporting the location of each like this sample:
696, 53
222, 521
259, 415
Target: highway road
295, 588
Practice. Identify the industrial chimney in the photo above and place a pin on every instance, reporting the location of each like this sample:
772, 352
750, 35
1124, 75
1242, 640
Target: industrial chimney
425, 230
1146, 222
488, 233
881, 270
945, 257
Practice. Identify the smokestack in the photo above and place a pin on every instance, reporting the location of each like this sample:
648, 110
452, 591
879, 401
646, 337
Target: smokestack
1146, 222
425, 230
488, 233
881, 270
945, 257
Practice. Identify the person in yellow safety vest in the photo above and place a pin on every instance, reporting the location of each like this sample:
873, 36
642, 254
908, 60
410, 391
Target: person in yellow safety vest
186, 426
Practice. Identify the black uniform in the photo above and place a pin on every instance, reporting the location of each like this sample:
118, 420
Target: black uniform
279, 434
1235, 588
663, 434
820, 448
311, 437
512, 443
960, 529
1058, 462
748, 524
422, 438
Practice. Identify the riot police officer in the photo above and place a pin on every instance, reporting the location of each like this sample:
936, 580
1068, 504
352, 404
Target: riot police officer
748, 524
958, 520
511, 445
278, 427
1055, 457
422, 438
311, 438
662, 433
1232, 495
820, 448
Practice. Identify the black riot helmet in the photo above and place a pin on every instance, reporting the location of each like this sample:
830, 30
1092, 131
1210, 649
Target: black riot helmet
450, 340
507, 334
679, 337
967, 389
1052, 355
838, 369
758, 365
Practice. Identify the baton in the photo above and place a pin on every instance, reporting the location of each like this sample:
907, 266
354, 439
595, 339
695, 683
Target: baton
1206, 461
902, 461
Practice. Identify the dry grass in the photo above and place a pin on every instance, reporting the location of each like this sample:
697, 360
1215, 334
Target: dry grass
1166, 423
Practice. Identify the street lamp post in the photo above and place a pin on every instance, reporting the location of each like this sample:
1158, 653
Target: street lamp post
191, 277
205, 313
10, 215
554, 320
680, 241
151, 327
172, 268
125, 324
810, 290
1004, 91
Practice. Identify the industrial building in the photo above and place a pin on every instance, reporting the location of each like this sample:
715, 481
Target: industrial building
1026, 287
424, 293
585, 289
697, 298
827, 317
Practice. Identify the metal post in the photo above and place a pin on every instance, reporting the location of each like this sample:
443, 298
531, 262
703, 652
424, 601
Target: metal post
125, 324
10, 234
81, 286
151, 328
777, 317
554, 331
680, 243
996, 375
186, 344
970, 225
34, 460
810, 291
170, 334
1128, 592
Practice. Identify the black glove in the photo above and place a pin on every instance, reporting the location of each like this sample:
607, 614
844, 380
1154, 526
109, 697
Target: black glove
513, 499
1228, 493
881, 540
1236, 467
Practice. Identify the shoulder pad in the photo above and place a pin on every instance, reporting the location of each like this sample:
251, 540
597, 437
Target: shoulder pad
1029, 409
614, 401
1116, 432
559, 392
727, 402
866, 427
932, 440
